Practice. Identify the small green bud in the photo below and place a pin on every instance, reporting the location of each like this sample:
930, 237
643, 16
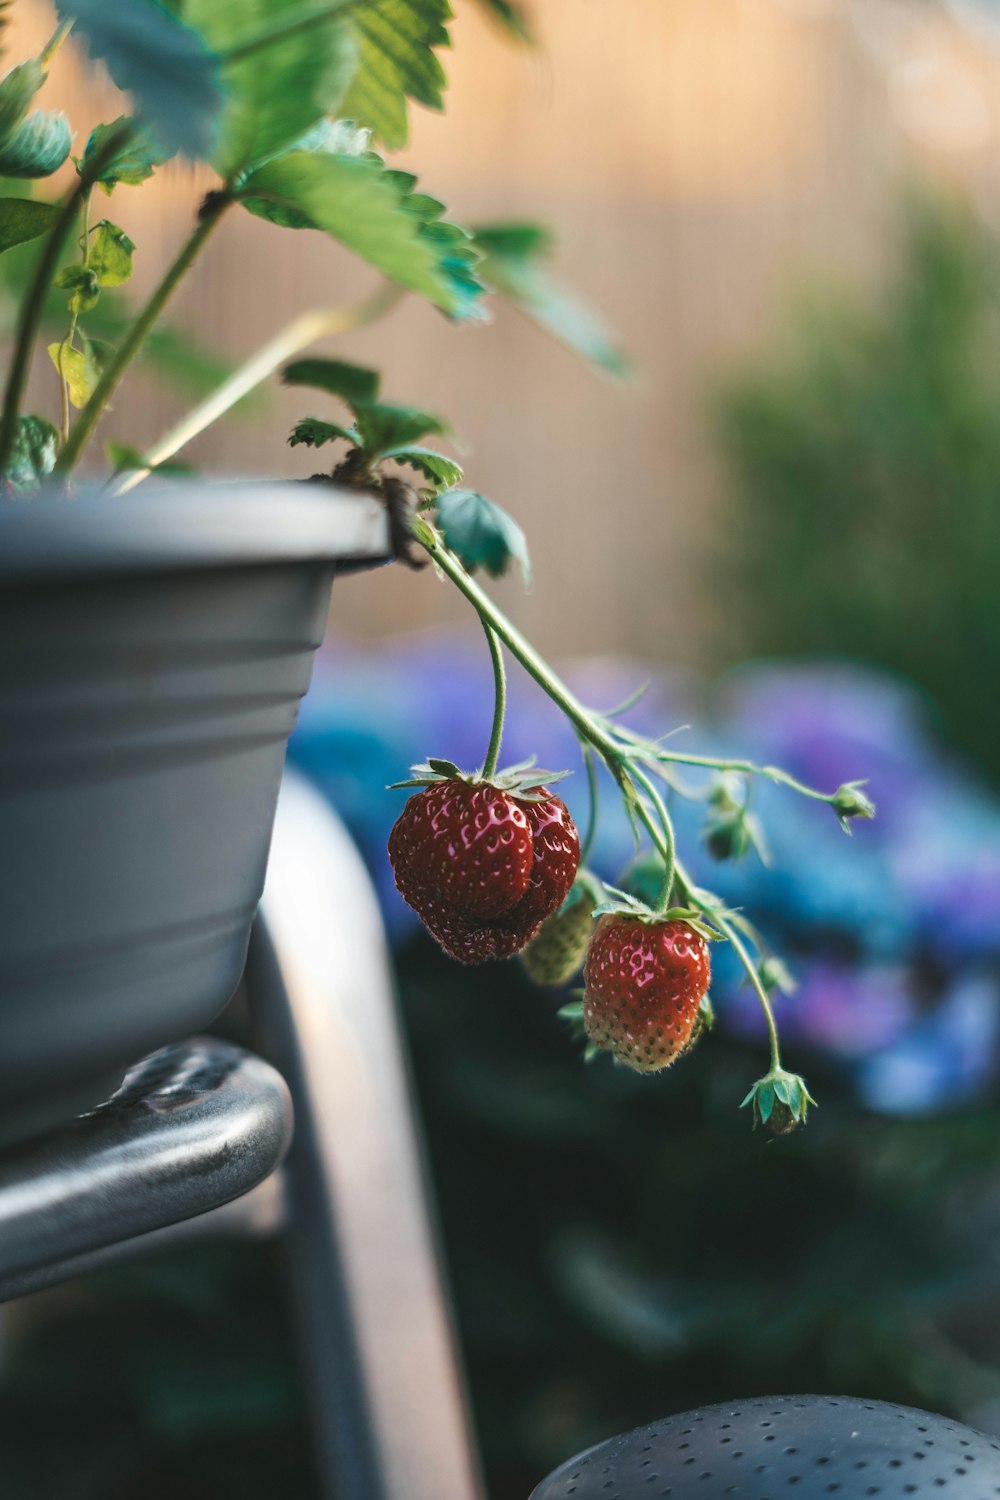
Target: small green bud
728, 838
849, 801
780, 1102
731, 831
775, 975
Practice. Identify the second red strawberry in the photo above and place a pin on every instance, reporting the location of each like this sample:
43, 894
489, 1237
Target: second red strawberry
482, 866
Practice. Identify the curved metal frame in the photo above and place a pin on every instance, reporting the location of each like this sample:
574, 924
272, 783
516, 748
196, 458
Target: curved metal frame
388, 1396
192, 1127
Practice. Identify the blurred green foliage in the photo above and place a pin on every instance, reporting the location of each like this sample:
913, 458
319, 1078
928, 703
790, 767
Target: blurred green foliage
864, 461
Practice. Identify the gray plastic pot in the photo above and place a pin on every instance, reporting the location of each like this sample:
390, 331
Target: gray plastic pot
153, 653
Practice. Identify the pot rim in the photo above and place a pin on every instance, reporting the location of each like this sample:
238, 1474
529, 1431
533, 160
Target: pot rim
184, 525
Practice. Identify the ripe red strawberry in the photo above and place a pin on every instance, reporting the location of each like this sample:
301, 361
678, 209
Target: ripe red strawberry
555, 846
644, 984
481, 866
465, 843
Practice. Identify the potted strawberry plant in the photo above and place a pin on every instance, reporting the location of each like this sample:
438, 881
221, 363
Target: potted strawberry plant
158, 637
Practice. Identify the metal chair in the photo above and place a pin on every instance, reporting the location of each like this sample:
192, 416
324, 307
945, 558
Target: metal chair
206, 1124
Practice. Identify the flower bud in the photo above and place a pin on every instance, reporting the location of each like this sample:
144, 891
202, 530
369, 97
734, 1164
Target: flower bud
849, 801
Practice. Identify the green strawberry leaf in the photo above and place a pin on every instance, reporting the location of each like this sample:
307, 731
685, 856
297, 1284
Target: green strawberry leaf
481, 534
445, 768
38, 147
110, 254
22, 220
374, 212
134, 160
276, 92
396, 62
442, 471
81, 368
313, 433
512, 17
34, 454
352, 383
83, 286
124, 459
16, 92
386, 428
161, 62
514, 264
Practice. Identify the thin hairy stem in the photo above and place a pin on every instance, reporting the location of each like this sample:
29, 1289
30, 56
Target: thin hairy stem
534, 664
499, 703
299, 334
304, 19
669, 848
728, 929
134, 339
593, 802
33, 303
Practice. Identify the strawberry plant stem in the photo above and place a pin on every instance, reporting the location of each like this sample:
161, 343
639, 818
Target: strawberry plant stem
499, 703
593, 802
133, 341
71, 334
620, 759
668, 849
733, 937
33, 303
727, 927
535, 665
746, 768
303, 19
54, 42
298, 335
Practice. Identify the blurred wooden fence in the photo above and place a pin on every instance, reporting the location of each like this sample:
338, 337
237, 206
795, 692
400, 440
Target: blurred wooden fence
694, 158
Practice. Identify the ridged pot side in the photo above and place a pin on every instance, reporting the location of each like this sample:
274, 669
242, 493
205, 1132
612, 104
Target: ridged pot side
142, 739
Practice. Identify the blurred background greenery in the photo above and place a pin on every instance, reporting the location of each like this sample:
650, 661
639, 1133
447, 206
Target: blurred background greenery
864, 459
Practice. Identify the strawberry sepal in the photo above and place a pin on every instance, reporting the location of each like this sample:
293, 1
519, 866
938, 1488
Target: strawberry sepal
525, 781
780, 1102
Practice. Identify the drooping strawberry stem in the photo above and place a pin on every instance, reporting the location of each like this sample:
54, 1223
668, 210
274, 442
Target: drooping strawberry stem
633, 760
499, 702
593, 801
669, 849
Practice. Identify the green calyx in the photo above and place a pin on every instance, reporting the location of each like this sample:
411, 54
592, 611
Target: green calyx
525, 780
624, 905
849, 802
731, 830
780, 1102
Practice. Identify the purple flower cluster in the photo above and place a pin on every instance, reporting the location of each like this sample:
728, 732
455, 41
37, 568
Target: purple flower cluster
894, 936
